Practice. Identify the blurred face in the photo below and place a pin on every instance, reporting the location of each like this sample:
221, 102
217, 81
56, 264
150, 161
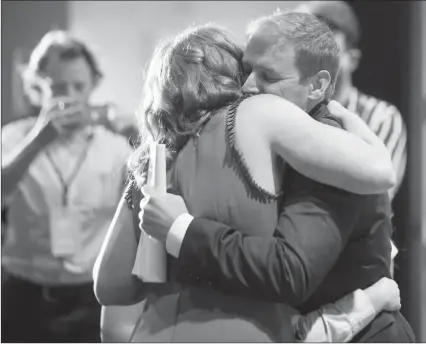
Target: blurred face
67, 78
348, 60
274, 72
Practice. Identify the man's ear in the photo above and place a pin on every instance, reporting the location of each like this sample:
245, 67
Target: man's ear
355, 57
319, 85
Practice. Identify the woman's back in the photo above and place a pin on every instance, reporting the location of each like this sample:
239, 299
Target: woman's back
215, 183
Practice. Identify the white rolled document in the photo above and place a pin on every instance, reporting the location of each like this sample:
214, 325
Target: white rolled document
151, 257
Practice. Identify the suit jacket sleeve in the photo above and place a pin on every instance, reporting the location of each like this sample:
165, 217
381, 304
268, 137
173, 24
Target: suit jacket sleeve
314, 225
288, 267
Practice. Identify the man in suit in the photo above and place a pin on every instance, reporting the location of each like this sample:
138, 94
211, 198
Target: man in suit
323, 233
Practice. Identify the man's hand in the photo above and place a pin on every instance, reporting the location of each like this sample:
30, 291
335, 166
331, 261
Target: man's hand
64, 115
158, 212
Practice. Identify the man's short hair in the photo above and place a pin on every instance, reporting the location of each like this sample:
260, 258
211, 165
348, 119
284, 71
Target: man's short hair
314, 44
339, 16
65, 47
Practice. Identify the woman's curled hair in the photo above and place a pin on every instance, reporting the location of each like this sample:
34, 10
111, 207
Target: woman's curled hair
187, 79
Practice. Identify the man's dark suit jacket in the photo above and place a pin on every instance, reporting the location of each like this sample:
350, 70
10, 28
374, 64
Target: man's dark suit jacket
328, 243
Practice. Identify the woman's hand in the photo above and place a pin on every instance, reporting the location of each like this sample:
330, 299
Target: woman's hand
339, 111
345, 116
384, 295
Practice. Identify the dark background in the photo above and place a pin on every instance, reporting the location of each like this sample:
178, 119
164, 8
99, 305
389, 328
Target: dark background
384, 72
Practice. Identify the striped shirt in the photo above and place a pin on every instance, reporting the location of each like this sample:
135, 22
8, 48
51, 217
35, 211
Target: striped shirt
386, 122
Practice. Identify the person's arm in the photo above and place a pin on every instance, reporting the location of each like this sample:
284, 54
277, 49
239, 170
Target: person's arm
112, 273
285, 268
314, 224
339, 321
343, 319
335, 322
320, 152
16, 161
51, 123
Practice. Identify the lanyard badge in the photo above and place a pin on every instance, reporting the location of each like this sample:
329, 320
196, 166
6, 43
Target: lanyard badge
65, 223
66, 184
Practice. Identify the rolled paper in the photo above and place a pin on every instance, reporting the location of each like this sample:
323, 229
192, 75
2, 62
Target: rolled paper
151, 257
159, 173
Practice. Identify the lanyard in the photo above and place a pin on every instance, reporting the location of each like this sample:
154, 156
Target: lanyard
67, 183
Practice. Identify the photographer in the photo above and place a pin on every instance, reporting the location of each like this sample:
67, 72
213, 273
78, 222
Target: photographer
63, 174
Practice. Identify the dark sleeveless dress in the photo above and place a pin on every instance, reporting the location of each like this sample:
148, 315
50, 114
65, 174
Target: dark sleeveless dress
214, 181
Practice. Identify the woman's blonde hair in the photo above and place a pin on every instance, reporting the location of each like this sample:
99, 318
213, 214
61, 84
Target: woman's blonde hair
187, 79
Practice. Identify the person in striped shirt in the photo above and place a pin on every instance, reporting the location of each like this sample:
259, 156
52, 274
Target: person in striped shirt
381, 116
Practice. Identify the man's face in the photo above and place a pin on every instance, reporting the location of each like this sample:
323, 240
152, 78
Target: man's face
273, 71
71, 78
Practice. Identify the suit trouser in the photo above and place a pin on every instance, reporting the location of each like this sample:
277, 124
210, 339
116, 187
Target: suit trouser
33, 313
387, 328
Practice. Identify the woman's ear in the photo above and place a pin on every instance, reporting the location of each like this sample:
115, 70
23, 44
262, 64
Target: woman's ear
319, 85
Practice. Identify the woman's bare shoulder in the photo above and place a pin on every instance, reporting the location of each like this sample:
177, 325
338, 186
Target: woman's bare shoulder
262, 99
268, 109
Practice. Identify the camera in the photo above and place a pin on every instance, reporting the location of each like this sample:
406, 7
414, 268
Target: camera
99, 113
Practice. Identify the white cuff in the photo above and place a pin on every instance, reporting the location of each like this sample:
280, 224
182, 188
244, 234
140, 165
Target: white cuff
334, 322
362, 312
177, 233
